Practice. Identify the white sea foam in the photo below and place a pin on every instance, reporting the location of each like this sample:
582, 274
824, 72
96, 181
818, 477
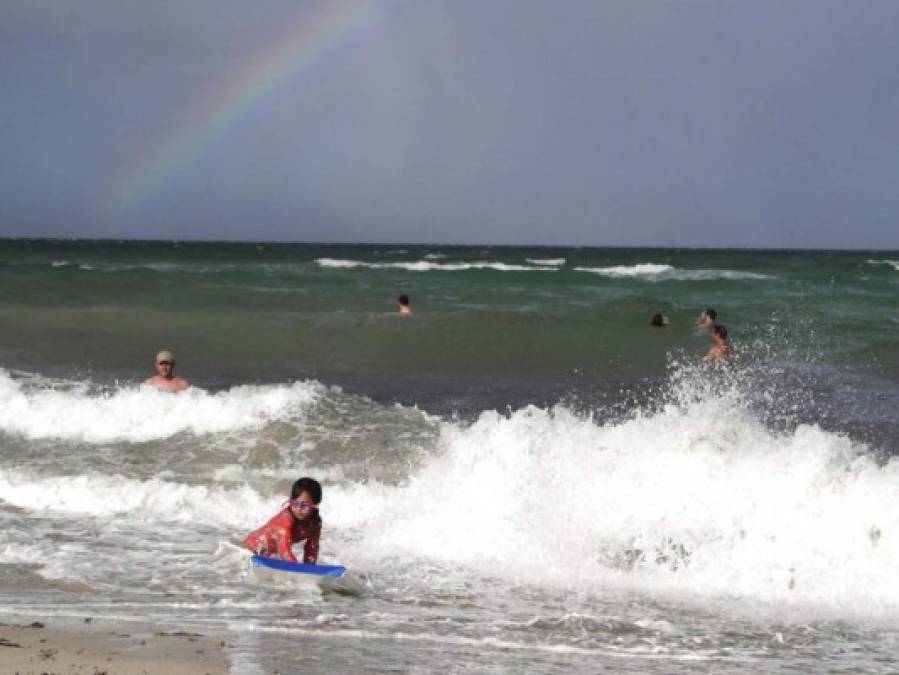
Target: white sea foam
640, 269
138, 414
24, 553
699, 499
481, 644
661, 272
892, 263
109, 496
192, 268
547, 261
429, 266
154, 266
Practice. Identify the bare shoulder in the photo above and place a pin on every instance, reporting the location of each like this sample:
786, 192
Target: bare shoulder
175, 384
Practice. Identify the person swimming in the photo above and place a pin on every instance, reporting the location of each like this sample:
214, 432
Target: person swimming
659, 320
298, 520
707, 319
165, 374
722, 348
405, 307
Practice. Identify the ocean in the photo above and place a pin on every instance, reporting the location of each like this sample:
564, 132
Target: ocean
526, 473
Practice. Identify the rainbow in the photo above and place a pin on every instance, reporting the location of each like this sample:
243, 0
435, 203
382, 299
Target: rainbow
247, 86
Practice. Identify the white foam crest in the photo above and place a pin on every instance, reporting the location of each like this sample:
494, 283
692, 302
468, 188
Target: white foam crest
892, 263
153, 501
190, 268
123, 267
698, 499
56, 560
546, 261
138, 414
24, 553
430, 266
640, 269
643, 652
660, 272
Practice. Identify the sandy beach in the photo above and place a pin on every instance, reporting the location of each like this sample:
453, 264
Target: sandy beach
87, 646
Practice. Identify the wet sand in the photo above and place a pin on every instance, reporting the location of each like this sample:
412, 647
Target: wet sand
62, 646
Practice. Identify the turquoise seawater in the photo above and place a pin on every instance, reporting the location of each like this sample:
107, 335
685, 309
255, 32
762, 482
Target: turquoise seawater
258, 310
497, 325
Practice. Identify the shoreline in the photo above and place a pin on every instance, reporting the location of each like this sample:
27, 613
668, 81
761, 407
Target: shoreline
93, 646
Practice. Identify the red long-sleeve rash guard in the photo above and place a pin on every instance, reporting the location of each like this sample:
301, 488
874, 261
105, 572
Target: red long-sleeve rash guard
281, 532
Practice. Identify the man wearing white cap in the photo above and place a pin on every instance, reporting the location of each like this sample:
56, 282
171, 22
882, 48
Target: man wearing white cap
165, 373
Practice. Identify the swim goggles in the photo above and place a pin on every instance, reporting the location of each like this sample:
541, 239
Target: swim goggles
302, 504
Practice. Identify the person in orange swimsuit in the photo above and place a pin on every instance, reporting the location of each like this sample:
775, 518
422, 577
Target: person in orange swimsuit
297, 521
721, 350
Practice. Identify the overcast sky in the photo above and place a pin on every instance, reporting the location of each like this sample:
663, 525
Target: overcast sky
626, 122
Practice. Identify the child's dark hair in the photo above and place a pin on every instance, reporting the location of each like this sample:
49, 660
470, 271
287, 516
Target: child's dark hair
711, 313
310, 485
404, 300
719, 330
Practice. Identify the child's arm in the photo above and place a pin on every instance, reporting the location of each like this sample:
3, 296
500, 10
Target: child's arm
283, 541
310, 548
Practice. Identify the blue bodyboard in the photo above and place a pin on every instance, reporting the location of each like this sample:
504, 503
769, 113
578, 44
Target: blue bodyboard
299, 568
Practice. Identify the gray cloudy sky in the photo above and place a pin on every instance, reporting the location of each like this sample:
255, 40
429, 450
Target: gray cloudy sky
626, 122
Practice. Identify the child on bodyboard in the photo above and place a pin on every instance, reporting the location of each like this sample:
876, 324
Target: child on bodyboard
297, 520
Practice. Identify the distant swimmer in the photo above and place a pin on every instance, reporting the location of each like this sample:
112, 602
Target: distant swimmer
659, 320
405, 307
707, 319
165, 374
721, 349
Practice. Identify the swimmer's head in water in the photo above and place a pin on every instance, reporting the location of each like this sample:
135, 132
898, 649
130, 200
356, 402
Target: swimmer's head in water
720, 331
710, 314
165, 364
403, 300
659, 320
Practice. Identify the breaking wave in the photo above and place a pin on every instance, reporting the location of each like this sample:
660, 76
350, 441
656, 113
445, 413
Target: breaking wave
547, 261
661, 272
696, 497
141, 413
430, 266
892, 263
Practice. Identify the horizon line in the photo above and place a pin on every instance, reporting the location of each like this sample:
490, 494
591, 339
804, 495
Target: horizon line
121, 240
